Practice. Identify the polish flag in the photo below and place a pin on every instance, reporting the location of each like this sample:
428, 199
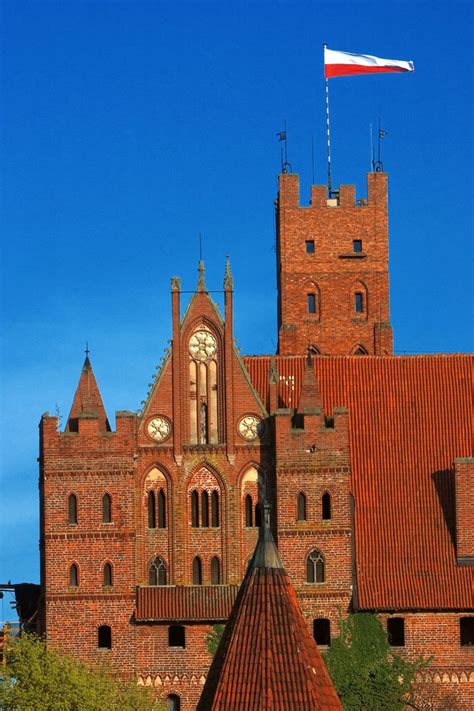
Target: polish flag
342, 64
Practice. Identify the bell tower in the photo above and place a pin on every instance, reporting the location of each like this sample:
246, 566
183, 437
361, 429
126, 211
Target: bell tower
332, 270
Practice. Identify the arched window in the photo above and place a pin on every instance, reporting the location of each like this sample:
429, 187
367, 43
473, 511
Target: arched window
161, 509
104, 637
73, 576
311, 303
197, 571
258, 515
204, 509
301, 507
173, 703
108, 575
157, 574
151, 510
322, 632
106, 508
248, 511
72, 509
359, 302
195, 509
215, 571
315, 567
326, 506
176, 636
215, 523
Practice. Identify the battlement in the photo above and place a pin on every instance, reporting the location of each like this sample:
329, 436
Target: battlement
345, 196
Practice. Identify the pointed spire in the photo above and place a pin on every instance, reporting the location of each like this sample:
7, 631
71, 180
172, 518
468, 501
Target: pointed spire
201, 285
267, 656
87, 399
310, 397
273, 373
228, 278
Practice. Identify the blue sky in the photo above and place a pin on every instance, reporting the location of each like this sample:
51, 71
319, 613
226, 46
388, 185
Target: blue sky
128, 128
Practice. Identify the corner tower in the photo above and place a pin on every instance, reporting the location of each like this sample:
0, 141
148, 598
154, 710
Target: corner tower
332, 270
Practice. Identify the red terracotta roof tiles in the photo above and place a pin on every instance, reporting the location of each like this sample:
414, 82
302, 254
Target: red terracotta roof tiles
87, 400
410, 417
187, 603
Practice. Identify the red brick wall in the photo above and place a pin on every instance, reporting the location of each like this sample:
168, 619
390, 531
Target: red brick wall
464, 484
334, 272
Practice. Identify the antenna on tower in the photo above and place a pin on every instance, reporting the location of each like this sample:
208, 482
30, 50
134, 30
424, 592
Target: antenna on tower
283, 136
378, 165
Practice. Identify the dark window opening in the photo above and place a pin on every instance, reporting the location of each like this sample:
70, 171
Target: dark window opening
157, 574
203, 429
204, 509
173, 703
297, 421
258, 515
215, 571
309, 246
108, 575
357, 245
177, 636
329, 422
106, 509
396, 631
161, 509
151, 510
72, 509
466, 628
358, 302
197, 571
322, 632
326, 506
248, 511
301, 507
311, 303
315, 572
104, 637
195, 509
73, 576
215, 509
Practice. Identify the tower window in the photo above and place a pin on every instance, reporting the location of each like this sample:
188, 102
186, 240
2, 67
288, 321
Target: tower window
322, 632
195, 509
151, 510
72, 509
73, 576
104, 637
326, 506
161, 509
396, 631
215, 571
309, 246
357, 245
248, 511
197, 571
315, 572
311, 303
301, 507
215, 509
177, 636
157, 573
204, 509
173, 703
106, 509
466, 628
107, 575
359, 302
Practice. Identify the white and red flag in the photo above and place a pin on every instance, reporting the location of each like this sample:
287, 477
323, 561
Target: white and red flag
341, 64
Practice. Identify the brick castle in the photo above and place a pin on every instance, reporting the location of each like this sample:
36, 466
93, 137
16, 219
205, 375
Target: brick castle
366, 459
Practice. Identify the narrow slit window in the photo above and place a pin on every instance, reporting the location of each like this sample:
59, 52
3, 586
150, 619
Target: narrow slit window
309, 246
357, 245
311, 303
396, 631
359, 302
258, 515
106, 508
205, 509
104, 637
107, 575
215, 571
73, 576
151, 510
197, 571
195, 509
326, 506
301, 507
248, 511
161, 509
215, 509
72, 509
322, 632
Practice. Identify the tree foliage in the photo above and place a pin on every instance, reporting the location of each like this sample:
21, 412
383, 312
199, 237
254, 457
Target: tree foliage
36, 678
213, 638
365, 670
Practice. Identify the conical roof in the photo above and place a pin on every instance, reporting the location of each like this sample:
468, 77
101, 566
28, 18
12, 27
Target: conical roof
267, 659
87, 400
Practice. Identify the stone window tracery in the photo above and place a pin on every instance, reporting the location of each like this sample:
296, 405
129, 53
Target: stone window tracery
158, 572
315, 567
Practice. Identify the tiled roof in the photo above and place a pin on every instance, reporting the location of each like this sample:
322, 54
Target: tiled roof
87, 400
197, 602
410, 417
267, 658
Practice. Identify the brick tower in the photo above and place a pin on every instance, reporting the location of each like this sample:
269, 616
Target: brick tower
332, 270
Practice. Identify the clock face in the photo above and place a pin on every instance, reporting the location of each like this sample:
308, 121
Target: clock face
202, 345
250, 427
158, 428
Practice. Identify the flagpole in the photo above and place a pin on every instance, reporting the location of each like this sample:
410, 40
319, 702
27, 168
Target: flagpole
328, 134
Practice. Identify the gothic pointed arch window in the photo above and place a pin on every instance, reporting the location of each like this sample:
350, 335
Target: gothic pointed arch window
248, 511
326, 506
301, 514
73, 576
161, 509
151, 509
194, 509
215, 514
215, 571
203, 386
106, 508
360, 300
72, 509
197, 571
204, 509
315, 567
158, 572
107, 581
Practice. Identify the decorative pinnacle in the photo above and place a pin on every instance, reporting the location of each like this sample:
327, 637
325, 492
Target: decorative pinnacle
273, 372
175, 283
228, 278
201, 285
